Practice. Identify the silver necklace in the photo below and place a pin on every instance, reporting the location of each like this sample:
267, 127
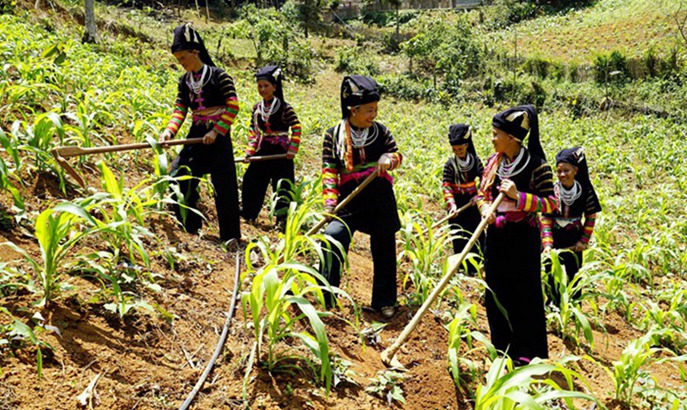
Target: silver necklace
359, 136
465, 165
364, 137
197, 86
570, 195
513, 168
266, 113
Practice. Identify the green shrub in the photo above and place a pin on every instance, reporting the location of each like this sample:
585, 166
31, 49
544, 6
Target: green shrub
611, 68
356, 60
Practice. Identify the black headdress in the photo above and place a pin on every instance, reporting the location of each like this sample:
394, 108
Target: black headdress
273, 74
459, 134
518, 122
186, 39
357, 90
575, 156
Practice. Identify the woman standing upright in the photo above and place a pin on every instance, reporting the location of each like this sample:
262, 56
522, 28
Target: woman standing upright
576, 199
269, 135
460, 186
513, 244
352, 150
210, 94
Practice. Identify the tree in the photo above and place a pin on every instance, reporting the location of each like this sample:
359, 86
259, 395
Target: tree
89, 32
309, 12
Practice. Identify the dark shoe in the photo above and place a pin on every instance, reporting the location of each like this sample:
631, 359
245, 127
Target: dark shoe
387, 312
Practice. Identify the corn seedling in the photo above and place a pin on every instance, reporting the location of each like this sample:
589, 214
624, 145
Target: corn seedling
281, 286
459, 332
122, 215
632, 366
426, 251
568, 310
19, 332
56, 238
506, 388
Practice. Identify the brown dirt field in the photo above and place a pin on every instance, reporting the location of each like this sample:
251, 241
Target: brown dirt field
147, 363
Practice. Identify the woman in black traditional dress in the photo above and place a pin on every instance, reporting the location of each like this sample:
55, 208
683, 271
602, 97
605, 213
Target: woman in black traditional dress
210, 94
576, 199
460, 186
352, 150
269, 135
513, 244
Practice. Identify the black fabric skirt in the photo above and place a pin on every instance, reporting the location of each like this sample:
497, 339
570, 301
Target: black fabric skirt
513, 273
467, 221
374, 209
572, 261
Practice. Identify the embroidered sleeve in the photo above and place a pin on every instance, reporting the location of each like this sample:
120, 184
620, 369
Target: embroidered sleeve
392, 150
446, 185
330, 172
589, 222
252, 137
291, 119
543, 199
546, 228
180, 109
228, 91
485, 182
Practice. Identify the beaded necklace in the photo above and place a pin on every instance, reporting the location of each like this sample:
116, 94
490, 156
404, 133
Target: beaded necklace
364, 137
197, 86
513, 168
465, 165
266, 111
570, 195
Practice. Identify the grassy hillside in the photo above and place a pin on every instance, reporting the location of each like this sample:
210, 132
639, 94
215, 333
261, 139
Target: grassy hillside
630, 26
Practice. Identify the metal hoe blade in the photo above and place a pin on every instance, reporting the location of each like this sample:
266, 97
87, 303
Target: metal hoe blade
65, 165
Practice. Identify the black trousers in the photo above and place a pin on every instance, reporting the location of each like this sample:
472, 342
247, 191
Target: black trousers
261, 174
513, 273
572, 261
218, 161
467, 222
383, 248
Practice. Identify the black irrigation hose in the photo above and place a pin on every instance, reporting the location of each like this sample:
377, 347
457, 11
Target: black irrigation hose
222, 338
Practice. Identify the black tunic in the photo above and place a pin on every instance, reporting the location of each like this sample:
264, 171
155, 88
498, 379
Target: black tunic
567, 230
459, 188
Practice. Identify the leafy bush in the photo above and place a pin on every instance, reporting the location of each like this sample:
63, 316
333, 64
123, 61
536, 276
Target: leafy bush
611, 68
503, 13
276, 41
356, 60
444, 47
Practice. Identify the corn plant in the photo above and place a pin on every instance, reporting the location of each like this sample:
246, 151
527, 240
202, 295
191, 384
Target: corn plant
670, 321
19, 332
56, 237
6, 184
283, 283
122, 212
568, 310
426, 251
633, 363
459, 332
525, 387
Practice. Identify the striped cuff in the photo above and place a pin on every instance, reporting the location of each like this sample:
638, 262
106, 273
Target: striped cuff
546, 234
295, 141
527, 202
227, 118
589, 222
